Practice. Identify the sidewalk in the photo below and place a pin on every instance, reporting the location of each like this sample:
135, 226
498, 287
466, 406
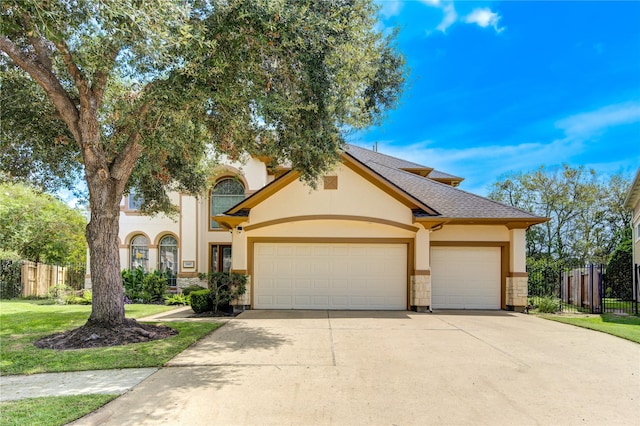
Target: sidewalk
72, 383
94, 381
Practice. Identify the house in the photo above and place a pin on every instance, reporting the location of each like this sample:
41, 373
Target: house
378, 233
632, 202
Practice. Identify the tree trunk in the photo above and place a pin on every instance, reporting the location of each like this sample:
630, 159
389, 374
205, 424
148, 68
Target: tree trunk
102, 236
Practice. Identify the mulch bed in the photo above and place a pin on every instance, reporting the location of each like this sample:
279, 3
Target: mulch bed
93, 336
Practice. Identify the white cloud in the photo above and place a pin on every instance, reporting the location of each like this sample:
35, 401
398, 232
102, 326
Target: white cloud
586, 124
484, 17
390, 8
481, 166
450, 17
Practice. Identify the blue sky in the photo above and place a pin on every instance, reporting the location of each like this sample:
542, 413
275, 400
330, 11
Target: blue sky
500, 87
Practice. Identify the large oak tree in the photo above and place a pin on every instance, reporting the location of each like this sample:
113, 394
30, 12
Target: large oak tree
136, 94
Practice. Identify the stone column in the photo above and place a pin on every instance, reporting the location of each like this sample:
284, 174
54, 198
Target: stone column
420, 280
517, 284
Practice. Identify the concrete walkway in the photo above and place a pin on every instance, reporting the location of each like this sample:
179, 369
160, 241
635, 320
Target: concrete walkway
89, 382
73, 383
389, 368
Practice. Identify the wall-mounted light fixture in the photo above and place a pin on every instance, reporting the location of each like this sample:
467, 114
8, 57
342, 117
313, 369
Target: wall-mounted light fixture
239, 229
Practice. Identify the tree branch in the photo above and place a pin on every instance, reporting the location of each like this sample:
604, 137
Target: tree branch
100, 77
38, 43
79, 79
49, 82
124, 163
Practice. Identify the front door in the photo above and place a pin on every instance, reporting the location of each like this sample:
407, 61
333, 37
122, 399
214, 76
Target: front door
220, 259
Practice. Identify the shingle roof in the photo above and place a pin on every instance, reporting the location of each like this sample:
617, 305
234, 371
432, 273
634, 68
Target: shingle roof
437, 174
448, 201
364, 155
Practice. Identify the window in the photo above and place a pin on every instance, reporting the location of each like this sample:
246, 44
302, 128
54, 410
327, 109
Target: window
139, 252
134, 201
638, 232
168, 255
227, 193
220, 258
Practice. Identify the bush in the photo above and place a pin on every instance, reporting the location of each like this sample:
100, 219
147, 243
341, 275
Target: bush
10, 278
74, 299
548, 305
177, 299
59, 292
201, 301
225, 288
154, 286
618, 278
144, 287
187, 290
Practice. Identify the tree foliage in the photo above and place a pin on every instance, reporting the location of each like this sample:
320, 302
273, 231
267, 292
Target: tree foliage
137, 94
619, 275
39, 227
587, 215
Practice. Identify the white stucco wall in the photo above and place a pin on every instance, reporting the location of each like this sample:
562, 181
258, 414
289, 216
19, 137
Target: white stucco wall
494, 233
355, 196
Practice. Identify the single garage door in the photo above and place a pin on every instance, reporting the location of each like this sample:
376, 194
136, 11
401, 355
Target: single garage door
330, 276
465, 277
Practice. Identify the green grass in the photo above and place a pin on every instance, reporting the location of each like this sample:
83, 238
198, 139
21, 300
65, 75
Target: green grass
627, 327
50, 411
23, 322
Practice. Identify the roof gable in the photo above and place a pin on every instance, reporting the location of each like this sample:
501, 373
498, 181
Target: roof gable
430, 200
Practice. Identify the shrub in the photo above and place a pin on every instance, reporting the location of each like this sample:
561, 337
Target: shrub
85, 299
132, 282
177, 299
200, 301
548, 304
10, 277
189, 289
154, 286
619, 273
144, 287
59, 292
225, 288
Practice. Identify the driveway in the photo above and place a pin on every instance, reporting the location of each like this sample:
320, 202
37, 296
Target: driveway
390, 368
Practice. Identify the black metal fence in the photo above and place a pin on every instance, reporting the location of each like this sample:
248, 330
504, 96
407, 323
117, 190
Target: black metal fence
557, 286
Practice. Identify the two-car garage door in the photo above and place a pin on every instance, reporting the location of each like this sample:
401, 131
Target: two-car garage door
330, 276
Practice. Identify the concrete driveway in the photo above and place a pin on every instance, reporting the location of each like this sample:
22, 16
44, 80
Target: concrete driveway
390, 368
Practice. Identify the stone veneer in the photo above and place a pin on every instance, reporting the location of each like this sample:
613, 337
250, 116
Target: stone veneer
517, 292
245, 299
420, 297
186, 282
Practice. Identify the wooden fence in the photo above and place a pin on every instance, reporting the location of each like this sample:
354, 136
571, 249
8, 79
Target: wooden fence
38, 278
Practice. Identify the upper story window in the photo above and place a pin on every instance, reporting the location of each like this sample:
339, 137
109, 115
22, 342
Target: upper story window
134, 201
225, 194
139, 252
168, 255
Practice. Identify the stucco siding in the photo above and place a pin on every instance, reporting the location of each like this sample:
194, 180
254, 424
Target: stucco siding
355, 196
471, 233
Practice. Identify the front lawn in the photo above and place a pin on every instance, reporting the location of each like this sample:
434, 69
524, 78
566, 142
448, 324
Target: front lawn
23, 322
627, 327
50, 411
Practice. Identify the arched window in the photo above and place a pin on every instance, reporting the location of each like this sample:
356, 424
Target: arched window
140, 252
168, 255
227, 193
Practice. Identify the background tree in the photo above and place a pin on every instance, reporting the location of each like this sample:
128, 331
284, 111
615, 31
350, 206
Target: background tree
588, 218
39, 227
139, 92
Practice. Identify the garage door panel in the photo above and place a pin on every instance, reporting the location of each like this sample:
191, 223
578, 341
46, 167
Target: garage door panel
341, 276
465, 277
